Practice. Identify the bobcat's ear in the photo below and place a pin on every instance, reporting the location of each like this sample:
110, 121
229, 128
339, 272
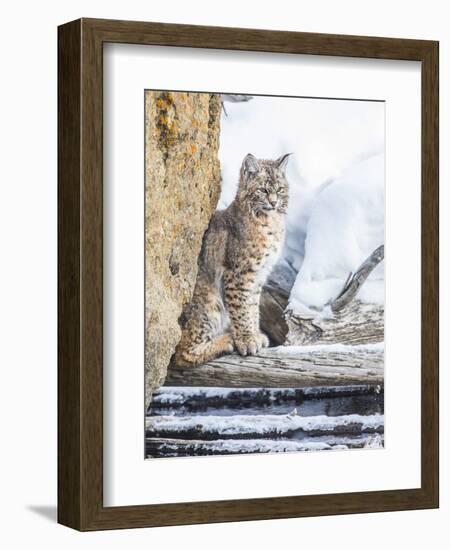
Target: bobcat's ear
282, 161
250, 165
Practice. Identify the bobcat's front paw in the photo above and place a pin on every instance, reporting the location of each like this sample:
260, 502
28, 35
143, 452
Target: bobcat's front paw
250, 345
228, 346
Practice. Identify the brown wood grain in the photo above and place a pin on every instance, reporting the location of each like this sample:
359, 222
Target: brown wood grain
430, 273
80, 241
69, 178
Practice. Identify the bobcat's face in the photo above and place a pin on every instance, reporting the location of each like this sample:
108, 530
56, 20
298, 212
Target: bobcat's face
263, 185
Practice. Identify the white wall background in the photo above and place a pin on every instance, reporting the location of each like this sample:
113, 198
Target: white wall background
28, 272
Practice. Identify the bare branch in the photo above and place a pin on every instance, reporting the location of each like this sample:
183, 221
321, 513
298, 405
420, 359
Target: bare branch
355, 282
233, 98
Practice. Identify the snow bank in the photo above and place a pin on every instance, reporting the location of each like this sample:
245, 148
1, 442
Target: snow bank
325, 137
345, 226
336, 175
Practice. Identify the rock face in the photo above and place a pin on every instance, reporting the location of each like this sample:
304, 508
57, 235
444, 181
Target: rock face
182, 187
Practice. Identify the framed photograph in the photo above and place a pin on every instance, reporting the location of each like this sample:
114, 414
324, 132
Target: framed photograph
248, 274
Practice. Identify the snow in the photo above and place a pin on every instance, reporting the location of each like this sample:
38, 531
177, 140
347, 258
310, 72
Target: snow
261, 424
329, 348
177, 395
320, 391
336, 174
232, 446
375, 441
257, 446
346, 225
325, 137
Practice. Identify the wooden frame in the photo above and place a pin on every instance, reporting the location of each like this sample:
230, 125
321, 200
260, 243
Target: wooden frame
80, 416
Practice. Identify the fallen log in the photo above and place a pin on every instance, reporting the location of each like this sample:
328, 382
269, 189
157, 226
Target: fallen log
291, 367
200, 397
165, 447
357, 323
260, 426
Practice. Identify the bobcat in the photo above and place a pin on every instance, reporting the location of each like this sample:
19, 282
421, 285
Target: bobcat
240, 248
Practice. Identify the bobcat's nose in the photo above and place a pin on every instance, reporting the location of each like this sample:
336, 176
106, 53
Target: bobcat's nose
273, 200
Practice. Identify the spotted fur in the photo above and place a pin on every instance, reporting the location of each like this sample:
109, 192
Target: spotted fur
240, 248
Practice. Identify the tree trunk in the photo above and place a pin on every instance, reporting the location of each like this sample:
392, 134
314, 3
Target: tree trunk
274, 300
